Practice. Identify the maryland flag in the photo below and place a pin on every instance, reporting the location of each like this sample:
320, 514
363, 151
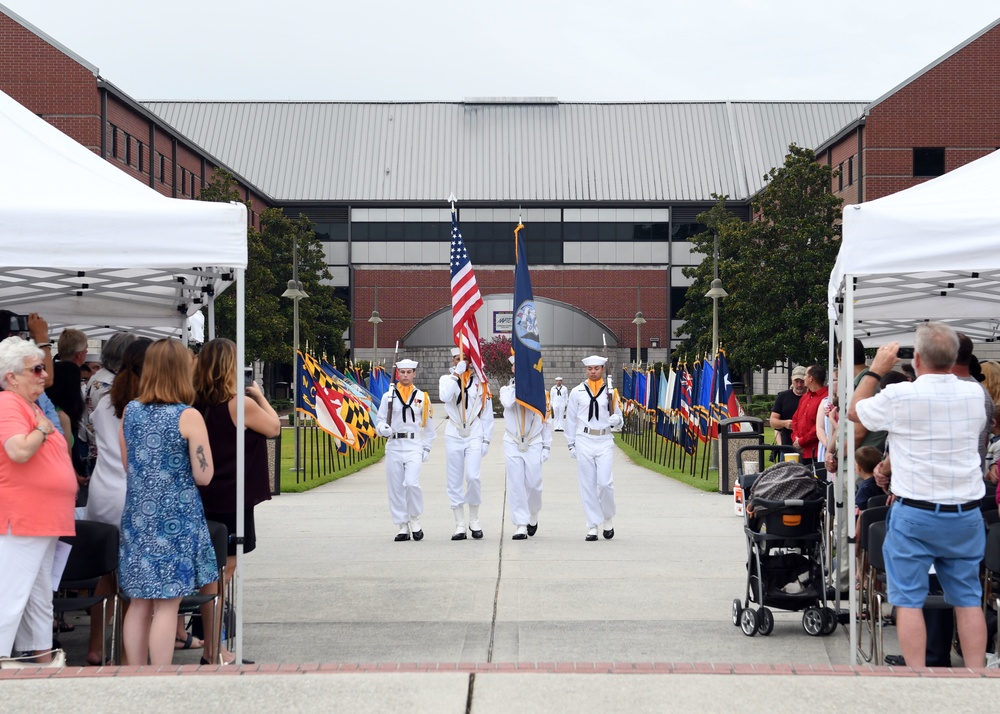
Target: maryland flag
328, 400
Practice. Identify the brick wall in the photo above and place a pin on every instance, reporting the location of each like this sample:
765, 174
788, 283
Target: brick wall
405, 297
49, 83
954, 105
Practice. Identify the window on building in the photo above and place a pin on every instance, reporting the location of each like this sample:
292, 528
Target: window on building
128, 149
850, 171
183, 182
141, 162
114, 140
840, 177
163, 167
192, 184
928, 162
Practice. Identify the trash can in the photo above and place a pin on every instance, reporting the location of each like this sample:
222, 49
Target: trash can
733, 434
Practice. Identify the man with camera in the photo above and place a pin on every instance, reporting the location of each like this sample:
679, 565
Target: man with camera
933, 425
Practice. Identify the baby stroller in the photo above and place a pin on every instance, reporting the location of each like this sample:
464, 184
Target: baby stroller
784, 524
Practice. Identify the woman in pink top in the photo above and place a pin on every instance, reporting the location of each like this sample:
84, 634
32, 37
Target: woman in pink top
37, 496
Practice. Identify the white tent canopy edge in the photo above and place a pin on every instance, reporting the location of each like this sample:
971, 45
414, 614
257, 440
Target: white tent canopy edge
926, 253
85, 244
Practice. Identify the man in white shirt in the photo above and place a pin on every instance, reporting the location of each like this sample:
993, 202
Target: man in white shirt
934, 425
558, 396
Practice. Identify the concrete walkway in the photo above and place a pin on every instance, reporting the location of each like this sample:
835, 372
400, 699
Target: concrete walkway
500, 625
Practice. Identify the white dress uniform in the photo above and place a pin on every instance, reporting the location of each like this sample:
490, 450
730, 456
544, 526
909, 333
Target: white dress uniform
590, 415
409, 444
526, 445
466, 439
558, 398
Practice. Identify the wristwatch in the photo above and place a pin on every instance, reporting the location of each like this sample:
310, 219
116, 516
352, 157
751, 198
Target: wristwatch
45, 434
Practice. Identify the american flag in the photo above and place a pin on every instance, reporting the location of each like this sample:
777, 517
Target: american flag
465, 300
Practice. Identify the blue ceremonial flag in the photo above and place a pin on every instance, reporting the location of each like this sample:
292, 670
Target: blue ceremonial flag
705, 399
628, 386
529, 379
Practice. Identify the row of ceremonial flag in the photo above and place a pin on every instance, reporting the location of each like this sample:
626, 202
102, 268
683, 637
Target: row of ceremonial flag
688, 403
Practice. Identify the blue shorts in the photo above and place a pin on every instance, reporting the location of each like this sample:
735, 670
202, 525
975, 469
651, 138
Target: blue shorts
953, 543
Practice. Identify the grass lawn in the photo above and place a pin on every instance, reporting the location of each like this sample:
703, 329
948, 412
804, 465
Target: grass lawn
312, 470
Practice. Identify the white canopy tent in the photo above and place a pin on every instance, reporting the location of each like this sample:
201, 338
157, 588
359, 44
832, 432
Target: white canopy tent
84, 244
927, 253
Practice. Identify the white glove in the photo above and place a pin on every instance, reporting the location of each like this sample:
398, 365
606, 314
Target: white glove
461, 367
427, 455
615, 420
545, 454
486, 447
572, 451
384, 429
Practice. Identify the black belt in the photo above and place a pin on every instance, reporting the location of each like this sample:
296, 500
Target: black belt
942, 507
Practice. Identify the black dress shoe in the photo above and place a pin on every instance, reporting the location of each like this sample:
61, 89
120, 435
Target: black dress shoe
591, 537
457, 536
532, 529
608, 534
895, 661
476, 534
519, 536
418, 535
404, 536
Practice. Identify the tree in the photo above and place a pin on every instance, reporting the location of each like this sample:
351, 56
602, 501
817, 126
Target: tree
496, 360
323, 318
775, 269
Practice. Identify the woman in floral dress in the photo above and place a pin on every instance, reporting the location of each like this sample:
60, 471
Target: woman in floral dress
166, 551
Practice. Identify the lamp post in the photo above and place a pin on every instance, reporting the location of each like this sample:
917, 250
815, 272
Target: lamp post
296, 293
375, 319
716, 292
639, 321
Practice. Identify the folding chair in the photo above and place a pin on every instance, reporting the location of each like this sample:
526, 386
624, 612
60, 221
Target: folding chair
867, 579
991, 576
94, 555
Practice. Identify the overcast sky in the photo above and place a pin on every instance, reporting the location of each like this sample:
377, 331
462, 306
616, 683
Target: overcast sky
576, 50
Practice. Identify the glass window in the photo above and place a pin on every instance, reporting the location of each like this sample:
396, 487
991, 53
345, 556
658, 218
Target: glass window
642, 231
624, 231
359, 231
678, 296
338, 232
141, 157
661, 231
394, 231
928, 162
607, 231
571, 231
377, 232
128, 149
588, 232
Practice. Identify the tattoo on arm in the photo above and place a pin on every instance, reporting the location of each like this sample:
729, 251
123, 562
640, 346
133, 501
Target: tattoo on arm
202, 461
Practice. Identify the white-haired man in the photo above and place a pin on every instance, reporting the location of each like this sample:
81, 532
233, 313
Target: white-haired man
406, 419
592, 412
933, 427
527, 443
469, 406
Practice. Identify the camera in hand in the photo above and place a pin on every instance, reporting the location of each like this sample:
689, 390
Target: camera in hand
247, 377
18, 323
905, 353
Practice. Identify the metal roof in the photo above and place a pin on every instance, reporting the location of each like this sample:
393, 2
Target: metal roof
506, 150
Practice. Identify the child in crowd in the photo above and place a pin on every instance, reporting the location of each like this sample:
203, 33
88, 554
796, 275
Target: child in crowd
866, 459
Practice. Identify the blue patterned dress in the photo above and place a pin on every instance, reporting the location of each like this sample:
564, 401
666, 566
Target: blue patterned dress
166, 551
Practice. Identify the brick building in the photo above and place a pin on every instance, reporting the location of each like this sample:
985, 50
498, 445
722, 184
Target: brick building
609, 192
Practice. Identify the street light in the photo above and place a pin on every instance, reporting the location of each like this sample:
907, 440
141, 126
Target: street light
715, 293
296, 293
375, 319
639, 321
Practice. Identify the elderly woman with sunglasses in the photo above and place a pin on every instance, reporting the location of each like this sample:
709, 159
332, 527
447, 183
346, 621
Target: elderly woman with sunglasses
37, 495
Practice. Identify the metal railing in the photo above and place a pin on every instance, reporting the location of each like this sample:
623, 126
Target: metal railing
320, 458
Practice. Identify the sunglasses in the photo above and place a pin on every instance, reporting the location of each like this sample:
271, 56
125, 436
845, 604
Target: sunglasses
37, 369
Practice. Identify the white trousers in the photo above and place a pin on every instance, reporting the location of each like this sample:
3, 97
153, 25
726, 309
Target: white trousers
402, 476
558, 413
524, 481
463, 457
26, 592
597, 482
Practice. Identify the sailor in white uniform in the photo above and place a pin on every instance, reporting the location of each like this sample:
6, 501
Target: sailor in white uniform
558, 397
592, 412
406, 419
469, 406
526, 446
